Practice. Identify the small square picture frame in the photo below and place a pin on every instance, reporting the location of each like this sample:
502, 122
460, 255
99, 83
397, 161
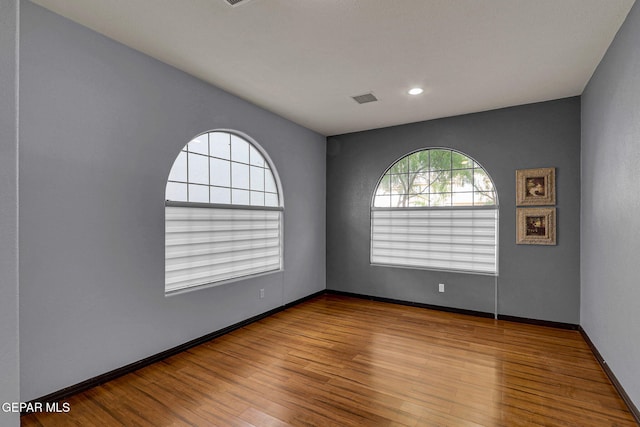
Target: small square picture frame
536, 187
536, 226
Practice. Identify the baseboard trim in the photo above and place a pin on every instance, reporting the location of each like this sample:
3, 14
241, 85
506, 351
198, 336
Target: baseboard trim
616, 384
413, 304
67, 392
547, 323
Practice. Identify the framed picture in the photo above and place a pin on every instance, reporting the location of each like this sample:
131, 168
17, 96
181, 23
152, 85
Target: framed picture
536, 187
536, 226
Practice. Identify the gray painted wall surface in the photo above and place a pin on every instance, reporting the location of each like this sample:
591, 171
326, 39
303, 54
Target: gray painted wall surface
538, 282
101, 126
9, 360
610, 295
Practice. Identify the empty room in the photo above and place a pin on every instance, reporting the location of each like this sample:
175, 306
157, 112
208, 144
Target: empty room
319, 213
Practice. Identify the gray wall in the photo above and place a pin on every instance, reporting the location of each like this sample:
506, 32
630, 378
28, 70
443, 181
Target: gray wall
9, 361
101, 126
610, 295
538, 282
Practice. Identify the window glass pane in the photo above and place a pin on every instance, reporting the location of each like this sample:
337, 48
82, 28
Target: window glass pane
220, 172
400, 200
440, 199
382, 201
270, 182
179, 168
220, 145
384, 187
257, 198
440, 160
481, 181
257, 178
271, 199
418, 200
460, 161
399, 184
199, 145
462, 180
419, 161
400, 167
220, 195
239, 175
239, 197
420, 182
239, 150
198, 193
255, 158
441, 182
484, 198
462, 199
176, 192
198, 169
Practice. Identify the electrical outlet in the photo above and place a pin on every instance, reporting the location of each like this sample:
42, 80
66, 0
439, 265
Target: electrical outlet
441, 287
261, 293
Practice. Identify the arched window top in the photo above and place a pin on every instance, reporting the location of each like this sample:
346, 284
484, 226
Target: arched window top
221, 167
435, 177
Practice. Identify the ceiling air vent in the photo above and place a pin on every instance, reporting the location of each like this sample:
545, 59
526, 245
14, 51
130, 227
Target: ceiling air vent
363, 99
235, 3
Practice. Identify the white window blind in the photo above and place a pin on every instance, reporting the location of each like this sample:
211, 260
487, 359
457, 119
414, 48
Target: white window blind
205, 245
443, 239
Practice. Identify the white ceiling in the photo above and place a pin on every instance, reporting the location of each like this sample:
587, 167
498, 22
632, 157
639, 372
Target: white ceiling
304, 59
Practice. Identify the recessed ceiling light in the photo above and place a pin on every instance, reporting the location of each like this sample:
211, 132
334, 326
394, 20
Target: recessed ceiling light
416, 91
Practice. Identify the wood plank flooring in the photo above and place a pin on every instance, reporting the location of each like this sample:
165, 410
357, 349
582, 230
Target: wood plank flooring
339, 361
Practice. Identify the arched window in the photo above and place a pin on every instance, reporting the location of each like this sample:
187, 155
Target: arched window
436, 209
223, 213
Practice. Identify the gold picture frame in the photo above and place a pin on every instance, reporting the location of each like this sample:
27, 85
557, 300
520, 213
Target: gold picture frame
536, 226
536, 187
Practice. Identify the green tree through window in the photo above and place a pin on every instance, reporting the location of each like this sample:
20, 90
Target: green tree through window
435, 178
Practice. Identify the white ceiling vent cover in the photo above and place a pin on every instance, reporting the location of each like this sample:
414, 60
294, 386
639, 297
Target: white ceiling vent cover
363, 99
235, 3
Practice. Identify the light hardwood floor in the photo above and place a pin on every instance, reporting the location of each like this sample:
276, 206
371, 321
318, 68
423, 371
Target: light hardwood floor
339, 361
